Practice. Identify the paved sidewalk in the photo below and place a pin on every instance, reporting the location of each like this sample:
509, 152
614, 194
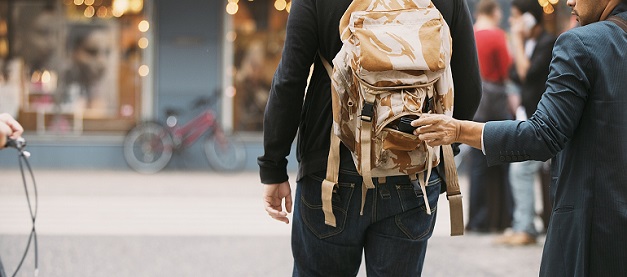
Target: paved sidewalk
121, 223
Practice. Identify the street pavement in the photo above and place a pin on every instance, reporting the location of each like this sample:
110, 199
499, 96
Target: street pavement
176, 223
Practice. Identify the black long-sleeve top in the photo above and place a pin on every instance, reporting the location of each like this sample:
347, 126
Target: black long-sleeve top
312, 27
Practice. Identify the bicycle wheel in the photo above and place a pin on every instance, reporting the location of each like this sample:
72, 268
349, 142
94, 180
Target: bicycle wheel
225, 153
148, 147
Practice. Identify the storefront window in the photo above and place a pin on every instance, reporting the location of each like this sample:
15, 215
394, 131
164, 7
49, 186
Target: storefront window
257, 37
73, 66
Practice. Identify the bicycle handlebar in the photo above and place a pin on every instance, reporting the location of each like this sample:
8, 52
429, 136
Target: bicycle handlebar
198, 102
18, 143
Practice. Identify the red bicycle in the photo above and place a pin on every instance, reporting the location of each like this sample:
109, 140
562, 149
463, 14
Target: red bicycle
149, 146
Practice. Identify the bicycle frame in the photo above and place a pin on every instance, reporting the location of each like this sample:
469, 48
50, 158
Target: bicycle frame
189, 132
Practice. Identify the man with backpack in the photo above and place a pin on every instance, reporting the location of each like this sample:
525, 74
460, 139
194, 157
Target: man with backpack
391, 223
580, 123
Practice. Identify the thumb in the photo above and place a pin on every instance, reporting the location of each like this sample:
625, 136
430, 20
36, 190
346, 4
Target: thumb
288, 203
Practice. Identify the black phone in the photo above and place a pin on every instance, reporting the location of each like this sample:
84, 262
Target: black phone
404, 125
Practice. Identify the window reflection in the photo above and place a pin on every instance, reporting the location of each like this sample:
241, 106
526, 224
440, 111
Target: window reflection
72, 66
258, 35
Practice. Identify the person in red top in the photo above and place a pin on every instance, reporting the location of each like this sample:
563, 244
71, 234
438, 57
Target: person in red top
494, 57
491, 204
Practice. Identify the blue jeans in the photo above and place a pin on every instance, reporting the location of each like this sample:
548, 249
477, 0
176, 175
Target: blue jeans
522, 177
392, 232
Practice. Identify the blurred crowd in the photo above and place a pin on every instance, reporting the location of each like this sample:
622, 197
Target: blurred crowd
514, 64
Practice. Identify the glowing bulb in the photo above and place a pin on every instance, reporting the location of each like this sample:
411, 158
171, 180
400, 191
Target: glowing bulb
136, 5
46, 77
117, 13
102, 11
78, 2
36, 77
280, 5
119, 7
231, 36
143, 70
230, 91
232, 8
89, 2
548, 9
143, 26
142, 43
89, 11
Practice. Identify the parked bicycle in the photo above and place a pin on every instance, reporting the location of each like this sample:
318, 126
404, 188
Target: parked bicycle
149, 146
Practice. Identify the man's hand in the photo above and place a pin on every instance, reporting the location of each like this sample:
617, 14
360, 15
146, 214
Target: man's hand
9, 127
439, 129
436, 129
273, 195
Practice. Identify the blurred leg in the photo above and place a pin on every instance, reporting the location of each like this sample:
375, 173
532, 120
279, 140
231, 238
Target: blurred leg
478, 210
522, 177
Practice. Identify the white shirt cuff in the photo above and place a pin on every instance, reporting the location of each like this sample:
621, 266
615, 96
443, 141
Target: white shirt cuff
482, 146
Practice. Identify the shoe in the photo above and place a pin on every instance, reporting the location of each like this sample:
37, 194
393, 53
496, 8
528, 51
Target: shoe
504, 238
517, 239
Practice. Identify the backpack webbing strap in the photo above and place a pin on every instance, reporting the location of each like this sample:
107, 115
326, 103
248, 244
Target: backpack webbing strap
619, 21
366, 173
328, 184
333, 166
365, 134
453, 193
333, 161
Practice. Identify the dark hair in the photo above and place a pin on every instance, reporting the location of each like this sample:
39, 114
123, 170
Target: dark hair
487, 7
78, 33
532, 7
22, 17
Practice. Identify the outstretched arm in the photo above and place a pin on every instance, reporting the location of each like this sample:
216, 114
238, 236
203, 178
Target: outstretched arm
438, 129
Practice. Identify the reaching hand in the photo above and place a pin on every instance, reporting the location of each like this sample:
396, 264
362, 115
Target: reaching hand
437, 129
273, 195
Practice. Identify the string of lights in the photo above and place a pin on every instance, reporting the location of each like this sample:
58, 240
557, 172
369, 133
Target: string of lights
232, 7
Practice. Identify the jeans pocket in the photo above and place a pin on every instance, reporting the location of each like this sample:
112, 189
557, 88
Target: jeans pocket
311, 206
415, 223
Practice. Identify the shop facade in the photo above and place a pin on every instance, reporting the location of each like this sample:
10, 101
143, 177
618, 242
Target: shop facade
78, 74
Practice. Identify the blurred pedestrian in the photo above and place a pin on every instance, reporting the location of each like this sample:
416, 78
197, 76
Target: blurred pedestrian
89, 47
391, 234
580, 123
490, 205
532, 47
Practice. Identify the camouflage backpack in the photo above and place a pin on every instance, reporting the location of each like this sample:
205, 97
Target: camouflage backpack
393, 67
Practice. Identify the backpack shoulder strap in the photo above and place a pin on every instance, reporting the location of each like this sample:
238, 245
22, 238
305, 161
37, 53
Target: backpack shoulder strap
619, 21
327, 65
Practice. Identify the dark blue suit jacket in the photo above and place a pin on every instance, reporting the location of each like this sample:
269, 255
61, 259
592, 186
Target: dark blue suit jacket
581, 120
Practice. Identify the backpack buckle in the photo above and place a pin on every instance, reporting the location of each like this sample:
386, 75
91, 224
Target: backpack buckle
367, 112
